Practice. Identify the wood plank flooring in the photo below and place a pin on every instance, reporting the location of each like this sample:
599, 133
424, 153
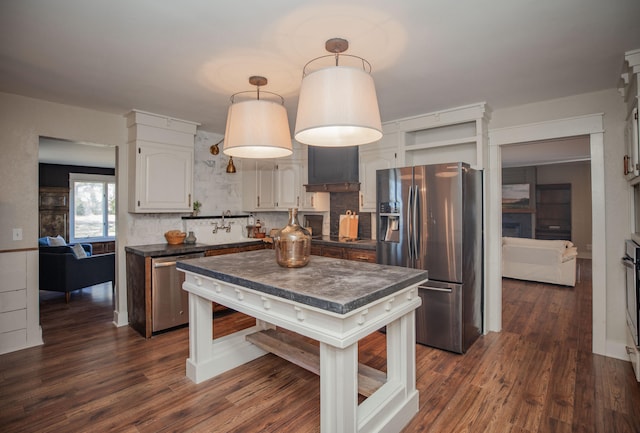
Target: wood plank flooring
538, 375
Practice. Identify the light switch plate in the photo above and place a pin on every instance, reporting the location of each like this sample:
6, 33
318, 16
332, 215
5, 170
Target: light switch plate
17, 234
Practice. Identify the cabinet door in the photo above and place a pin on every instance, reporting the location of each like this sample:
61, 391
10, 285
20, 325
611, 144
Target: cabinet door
265, 185
370, 161
258, 185
288, 185
632, 143
249, 185
361, 255
310, 201
163, 178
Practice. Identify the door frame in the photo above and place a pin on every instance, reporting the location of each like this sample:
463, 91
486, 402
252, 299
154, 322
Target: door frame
588, 125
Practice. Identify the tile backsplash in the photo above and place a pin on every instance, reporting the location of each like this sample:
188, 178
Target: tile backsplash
340, 203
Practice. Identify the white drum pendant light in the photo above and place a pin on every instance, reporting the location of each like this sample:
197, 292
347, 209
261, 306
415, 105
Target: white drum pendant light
257, 128
338, 104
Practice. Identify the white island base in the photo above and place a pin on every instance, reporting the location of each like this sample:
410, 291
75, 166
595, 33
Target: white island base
392, 399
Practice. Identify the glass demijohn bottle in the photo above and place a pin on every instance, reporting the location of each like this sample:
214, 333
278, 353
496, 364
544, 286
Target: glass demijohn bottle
292, 243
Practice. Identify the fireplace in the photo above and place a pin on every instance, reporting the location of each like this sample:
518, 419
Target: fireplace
517, 224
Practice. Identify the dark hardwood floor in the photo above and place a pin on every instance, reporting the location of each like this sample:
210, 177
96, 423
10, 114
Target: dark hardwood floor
537, 375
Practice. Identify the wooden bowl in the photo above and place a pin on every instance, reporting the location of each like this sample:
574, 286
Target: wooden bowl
175, 237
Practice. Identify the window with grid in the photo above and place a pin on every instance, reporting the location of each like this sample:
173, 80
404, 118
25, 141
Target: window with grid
92, 213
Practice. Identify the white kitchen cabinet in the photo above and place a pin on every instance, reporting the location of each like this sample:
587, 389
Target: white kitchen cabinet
19, 319
288, 185
311, 201
308, 201
629, 88
370, 160
161, 153
163, 179
278, 184
258, 184
632, 146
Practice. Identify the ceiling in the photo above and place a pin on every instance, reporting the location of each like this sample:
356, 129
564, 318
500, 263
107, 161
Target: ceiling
184, 59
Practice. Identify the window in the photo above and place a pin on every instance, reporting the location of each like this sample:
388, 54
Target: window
92, 215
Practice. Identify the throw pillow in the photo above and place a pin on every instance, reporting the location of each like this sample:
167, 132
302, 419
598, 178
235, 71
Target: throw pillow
58, 241
78, 251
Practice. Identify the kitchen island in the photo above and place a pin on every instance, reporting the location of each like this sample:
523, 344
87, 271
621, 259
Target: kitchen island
336, 302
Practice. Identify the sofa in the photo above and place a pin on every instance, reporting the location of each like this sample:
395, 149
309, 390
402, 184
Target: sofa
545, 261
62, 269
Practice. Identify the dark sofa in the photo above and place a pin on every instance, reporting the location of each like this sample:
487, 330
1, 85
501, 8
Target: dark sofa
61, 271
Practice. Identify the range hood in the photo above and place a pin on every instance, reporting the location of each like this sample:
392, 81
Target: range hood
333, 169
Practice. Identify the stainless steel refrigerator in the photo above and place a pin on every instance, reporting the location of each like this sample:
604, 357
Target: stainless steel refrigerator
430, 217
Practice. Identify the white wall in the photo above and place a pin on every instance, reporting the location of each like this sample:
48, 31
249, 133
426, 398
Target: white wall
617, 223
22, 122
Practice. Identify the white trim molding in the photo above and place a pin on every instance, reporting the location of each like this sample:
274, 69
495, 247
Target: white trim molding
591, 125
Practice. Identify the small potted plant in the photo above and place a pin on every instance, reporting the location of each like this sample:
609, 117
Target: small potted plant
196, 208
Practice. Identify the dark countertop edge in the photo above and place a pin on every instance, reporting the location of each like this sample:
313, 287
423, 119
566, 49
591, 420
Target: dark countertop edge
306, 299
160, 250
363, 244
208, 217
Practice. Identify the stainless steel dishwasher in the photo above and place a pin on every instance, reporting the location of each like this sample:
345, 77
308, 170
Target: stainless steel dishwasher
169, 303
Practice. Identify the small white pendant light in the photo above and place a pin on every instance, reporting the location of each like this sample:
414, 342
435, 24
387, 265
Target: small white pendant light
338, 105
257, 128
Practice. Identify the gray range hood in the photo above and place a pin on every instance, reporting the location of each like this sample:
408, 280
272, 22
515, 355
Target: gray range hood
333, 169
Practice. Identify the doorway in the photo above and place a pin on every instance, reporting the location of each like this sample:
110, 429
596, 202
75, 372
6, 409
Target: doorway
69, 170
590, 126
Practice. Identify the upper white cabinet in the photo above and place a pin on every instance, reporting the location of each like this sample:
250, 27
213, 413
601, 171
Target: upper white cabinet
632, 146
453, 135
288, 184
278, 184
258, 184
160, 163
630, 90
373, 157
457, 134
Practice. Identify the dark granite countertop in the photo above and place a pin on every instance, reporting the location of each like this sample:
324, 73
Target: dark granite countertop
161, 250
334, 285
363, 244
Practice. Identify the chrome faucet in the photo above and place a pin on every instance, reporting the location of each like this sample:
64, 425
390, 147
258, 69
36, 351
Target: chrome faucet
224, 226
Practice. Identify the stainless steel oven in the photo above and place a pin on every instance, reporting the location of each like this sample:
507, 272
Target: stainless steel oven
631, 261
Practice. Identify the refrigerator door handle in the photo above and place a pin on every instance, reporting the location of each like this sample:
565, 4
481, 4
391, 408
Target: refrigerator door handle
409, 222
436, 289
416, 226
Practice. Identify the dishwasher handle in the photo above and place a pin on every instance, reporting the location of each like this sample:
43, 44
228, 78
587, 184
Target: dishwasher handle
171, 261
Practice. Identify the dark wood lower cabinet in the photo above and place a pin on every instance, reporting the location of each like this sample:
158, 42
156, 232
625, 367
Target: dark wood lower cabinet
139, 280
349, 253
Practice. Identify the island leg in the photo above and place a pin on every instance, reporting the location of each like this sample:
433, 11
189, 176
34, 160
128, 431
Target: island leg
200, 336
209, 357
338, 388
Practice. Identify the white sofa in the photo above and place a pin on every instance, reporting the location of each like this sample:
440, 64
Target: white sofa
546, 261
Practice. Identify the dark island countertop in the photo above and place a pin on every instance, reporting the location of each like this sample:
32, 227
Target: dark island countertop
161, 250
335, 285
